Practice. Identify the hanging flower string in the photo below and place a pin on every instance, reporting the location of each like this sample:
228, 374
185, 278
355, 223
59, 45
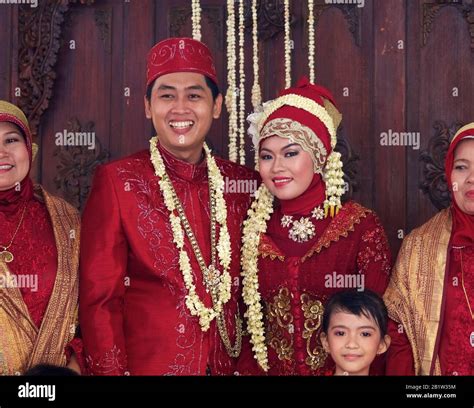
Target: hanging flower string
287, 45
196, 18
231, 96
311, 44
256, 90
242, 132
255, 225
194, 304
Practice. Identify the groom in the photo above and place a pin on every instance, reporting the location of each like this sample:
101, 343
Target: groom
160, 256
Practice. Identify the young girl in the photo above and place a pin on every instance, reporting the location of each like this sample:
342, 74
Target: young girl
307, 245
355, 330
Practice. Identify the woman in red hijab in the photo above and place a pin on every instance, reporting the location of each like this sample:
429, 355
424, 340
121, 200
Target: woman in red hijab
300, 243
39, 249
431, 294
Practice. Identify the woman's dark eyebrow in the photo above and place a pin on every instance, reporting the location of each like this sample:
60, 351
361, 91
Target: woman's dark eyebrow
283, 148
13, 132
288, 146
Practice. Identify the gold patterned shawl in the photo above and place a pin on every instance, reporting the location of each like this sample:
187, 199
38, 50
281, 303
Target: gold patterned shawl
415, 293
22, 344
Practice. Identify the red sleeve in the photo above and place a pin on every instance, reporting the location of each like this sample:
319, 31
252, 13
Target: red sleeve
374, 258
103, 268
76, 347
399, 355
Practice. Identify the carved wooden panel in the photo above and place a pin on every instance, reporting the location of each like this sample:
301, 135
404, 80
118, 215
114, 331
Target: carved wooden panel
76, 164
431, 10
270, 16
392, 65
352, 14
440, 97
82, 84
434, 183
351, 164
180, 22
103, 20
39, 32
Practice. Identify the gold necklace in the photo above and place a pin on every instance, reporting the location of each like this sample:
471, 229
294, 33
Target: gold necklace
471, 336
6, 255
193, 302
213, 279
464, 289
211, 274
302, 230
232, 350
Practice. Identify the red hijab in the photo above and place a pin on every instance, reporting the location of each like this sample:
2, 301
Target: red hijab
315, 194
12, 199
463, 224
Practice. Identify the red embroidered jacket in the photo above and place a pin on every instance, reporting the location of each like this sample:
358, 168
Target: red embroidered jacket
350, 249
132, 295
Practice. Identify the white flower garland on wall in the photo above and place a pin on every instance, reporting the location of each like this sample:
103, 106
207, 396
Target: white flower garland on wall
196, 19
242, 82
231, 96
256, 90
311, 43
287, 45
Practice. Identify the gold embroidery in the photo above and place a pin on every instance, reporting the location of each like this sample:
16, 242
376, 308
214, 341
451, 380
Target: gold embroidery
6, 108
23, 344
3, 364
414, 295
266, 248
280, 323
340, 226
313, 314
298, 133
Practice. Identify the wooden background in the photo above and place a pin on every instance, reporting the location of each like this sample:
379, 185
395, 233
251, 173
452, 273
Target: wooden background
399, 65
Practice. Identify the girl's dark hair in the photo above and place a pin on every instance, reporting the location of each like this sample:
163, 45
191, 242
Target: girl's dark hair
209, 82
50, 370
365, 303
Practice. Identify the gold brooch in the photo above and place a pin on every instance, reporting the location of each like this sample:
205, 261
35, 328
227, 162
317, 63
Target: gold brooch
302, 230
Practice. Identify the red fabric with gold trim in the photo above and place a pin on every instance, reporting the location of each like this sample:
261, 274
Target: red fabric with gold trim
11, 200
34, 243
314, 92
179, 55
463, 224
295, 280
6, 117
131, 268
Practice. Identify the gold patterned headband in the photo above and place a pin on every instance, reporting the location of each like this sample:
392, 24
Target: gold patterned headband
300, 134
463, 129
309, 105
10, 109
